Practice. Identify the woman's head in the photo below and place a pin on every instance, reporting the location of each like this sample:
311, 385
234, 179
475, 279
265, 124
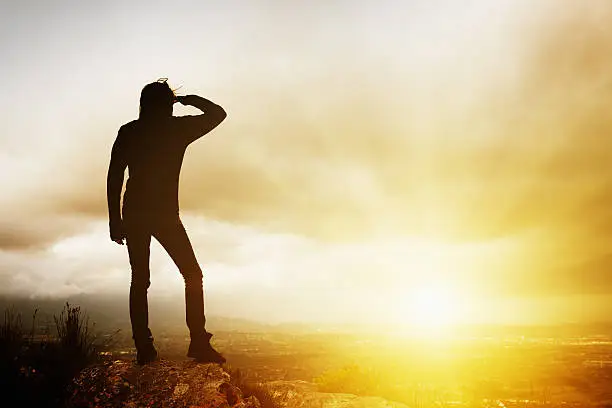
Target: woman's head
157, 98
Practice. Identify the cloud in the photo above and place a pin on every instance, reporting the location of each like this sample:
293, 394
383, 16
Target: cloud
36, 232
449, 133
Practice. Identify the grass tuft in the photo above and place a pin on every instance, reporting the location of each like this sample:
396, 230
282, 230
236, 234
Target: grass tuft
35, 370
251, 388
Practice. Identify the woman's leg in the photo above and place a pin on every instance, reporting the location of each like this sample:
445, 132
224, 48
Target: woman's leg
138, 244
172, 236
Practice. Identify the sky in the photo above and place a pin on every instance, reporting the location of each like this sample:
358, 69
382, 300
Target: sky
393, 161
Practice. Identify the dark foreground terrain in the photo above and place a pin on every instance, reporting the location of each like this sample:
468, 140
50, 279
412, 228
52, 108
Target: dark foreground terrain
301, 366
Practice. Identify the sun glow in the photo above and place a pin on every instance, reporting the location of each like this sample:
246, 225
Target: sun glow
430, 311
434, 307
425, 272
438, 284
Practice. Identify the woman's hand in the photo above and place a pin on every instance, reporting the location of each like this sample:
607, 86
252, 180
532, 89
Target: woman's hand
117, 233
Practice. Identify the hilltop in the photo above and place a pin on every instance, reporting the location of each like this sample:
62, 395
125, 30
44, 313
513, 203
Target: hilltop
163, 383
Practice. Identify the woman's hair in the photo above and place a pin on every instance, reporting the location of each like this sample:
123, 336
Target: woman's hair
157, 97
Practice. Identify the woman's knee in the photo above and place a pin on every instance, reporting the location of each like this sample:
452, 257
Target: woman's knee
140, 283
192, 275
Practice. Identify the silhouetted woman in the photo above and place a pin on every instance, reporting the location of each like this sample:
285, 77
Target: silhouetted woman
152, 147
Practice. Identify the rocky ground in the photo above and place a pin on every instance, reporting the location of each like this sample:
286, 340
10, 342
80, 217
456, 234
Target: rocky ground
164, 383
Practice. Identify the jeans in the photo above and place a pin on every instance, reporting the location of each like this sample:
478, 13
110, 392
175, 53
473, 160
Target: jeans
171, 234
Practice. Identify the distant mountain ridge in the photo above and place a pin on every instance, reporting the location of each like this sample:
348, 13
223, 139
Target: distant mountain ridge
111, 312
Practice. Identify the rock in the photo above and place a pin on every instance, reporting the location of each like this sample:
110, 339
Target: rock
302, 394
162, 383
